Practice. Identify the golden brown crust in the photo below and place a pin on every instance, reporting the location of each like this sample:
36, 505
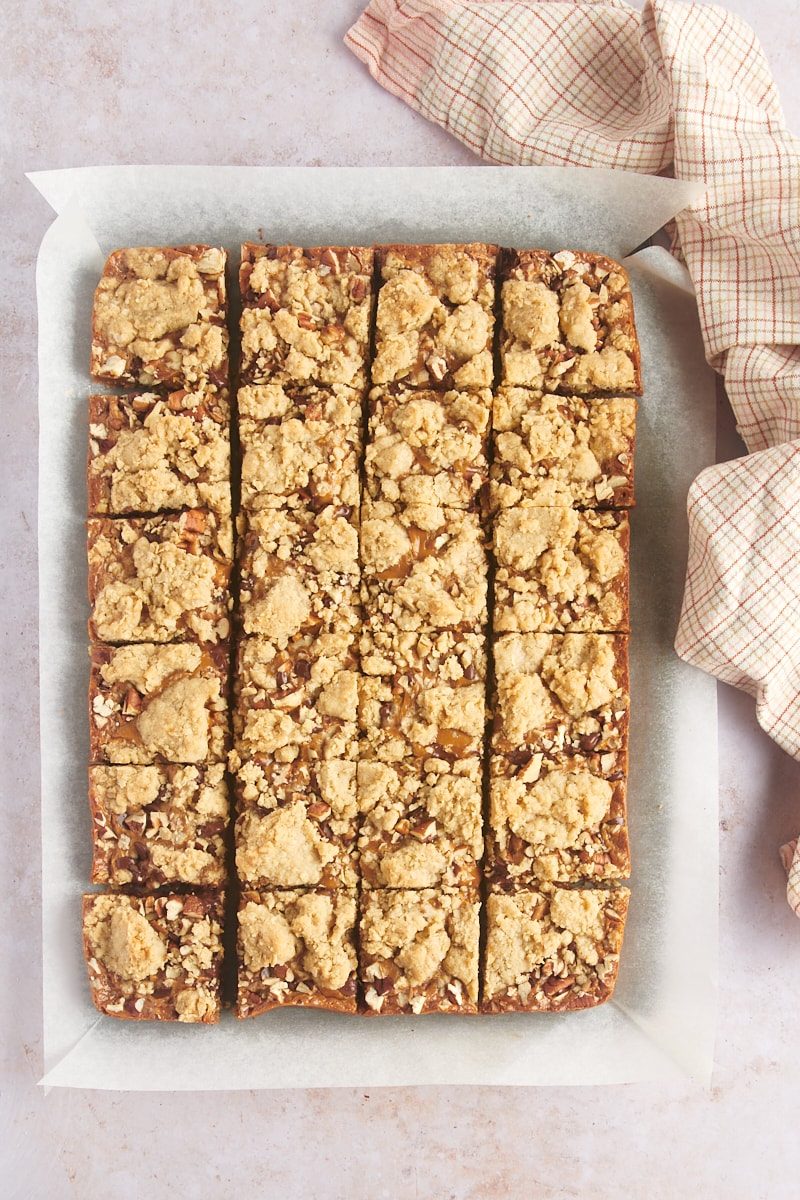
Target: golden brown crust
568, 450
156, 826
558, 569
434, 322
159, 319
149, 454
155, 958
297, 823
160, 579
567, 324
419, 950
296, 948
552, 949
561, 693
159, 703
305, 314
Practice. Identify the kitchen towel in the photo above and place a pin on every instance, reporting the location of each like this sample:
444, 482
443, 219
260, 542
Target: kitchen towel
680, 89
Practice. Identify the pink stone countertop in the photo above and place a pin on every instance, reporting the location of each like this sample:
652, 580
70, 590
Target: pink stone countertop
259, 83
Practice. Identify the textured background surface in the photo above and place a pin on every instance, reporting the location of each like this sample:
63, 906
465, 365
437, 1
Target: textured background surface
262, 83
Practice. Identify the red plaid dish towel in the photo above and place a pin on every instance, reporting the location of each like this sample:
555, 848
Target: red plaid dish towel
681, 89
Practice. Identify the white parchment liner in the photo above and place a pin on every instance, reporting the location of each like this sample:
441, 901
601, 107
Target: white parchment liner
660, 1023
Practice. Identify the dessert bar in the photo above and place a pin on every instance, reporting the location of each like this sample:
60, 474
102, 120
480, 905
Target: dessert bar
552, 949
423, 566
305, 314
562, 570
160, 579
298, 573
571, 450
150, 455
567, 324
427, 447
155, 958
418, 950
434, 323
297, 701
568, 824
157, 826
421, 827
561, 693
299, 464
275, 401
296, 948
297, 823
159, 319
159, 703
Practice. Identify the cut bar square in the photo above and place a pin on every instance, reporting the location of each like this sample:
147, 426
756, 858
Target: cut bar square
297, 948
571, 450
568, 824
146, 456
299, 464
157, 826
559, 569
297, 824
159, 319
428, 447
155, 958
298, 573
419, 950
273, 402
423, 566
422, 695
160, 579
434, 323
299, 701
159, 703
561, 693
305, 314
552, 949
420, 828
568, 324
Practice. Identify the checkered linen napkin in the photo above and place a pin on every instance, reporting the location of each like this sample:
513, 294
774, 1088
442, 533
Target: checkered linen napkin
681, 89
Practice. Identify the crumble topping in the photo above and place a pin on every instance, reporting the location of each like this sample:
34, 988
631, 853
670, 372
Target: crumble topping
552, 948
159, 317
310, 931
419, 950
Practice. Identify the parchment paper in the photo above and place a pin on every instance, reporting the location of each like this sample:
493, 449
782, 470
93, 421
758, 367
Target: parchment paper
660, 1023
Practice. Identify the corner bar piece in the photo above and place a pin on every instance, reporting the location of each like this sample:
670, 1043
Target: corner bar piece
552, 949
298, 701
160, 579
561, 694
298, 573
567, 450
159, 703
296, 948
435, 316
297, 824
568, 325
428, 447
305, 314
157, 826
155, 958
423, 567
419, 951
559, 569
149, 454
159, 319
421, 828
568, 824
